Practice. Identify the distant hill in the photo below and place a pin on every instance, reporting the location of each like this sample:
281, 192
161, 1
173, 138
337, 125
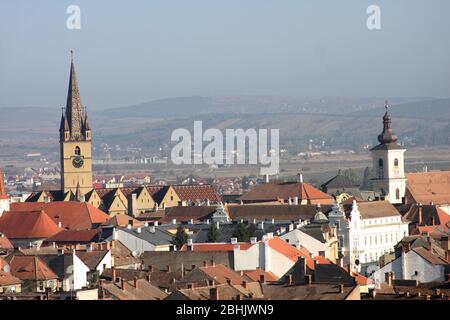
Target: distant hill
428, 109
188, 106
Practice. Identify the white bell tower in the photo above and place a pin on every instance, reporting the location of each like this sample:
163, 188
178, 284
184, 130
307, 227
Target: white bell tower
388, 164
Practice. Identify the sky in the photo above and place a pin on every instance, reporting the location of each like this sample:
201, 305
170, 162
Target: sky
131, 52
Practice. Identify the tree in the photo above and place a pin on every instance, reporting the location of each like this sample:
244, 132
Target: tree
180, 237
213, 233
242, 233
251, 230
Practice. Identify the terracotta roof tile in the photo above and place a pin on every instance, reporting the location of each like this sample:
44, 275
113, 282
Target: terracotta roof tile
27, 225
221, 274
72, 215
196, 192
74, 236
4, 242
426, 187
256, 274
7, 279
291, 252
275, 191
31, 268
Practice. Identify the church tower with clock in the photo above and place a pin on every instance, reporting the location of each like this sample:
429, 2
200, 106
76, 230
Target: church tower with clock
75, 142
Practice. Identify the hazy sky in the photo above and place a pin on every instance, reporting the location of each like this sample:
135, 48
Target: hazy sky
127, 54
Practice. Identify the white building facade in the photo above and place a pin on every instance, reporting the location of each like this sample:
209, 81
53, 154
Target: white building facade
366, 231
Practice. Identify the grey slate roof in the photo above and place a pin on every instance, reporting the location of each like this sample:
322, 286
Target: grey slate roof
159, 237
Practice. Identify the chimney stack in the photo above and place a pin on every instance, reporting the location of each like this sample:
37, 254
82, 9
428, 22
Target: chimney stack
214, 293
262, 278
113, 274
299, 178
289, 279
122, 283
420, 214
135, 280
266, 178
341, 288
308, 279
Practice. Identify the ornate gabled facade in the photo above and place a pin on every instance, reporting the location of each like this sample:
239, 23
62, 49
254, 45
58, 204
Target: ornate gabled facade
388, 164
75, 142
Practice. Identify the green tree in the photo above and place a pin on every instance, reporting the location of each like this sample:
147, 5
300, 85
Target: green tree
251, 230
180, 237
242, 233
213, 233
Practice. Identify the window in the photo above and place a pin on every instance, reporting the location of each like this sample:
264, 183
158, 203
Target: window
77, 151
341, 241
396, 162
397, 194
380, 169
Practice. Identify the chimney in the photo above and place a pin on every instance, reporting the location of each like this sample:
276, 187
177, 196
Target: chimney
213, 263
208, 203
420, 214
168, 268
174, 221
113, 274
135, 280
296, 201
308, 279
289, 201
156, 223
149, 277
372, 293
190, 245
122, 283
262, 278
150, 268
205, 264
341, 288
138, 230
234, 240
289, 279
59, 224
299, 178
266, 178
253, 240
191, 286
213, 294
152, 229
145, 224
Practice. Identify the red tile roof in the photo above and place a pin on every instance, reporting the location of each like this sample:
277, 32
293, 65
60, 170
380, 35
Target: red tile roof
27, 225
7, 279
31, 268
72, 215
221, 273
275, 191
4, 242
196, 192
361, 280
122, 220
291, 252
204, 247
74, 236
322, 260
256, 274
426, 187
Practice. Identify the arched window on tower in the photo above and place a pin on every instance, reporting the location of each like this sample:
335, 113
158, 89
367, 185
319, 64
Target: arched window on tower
77, 151
380, 169
396, 162
397, 194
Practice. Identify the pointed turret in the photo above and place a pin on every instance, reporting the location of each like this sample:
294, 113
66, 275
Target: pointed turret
74, 107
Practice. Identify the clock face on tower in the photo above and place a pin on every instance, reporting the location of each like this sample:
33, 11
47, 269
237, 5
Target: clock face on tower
77, 162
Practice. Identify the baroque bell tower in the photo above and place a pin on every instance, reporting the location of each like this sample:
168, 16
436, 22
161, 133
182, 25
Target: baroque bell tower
388, 164
75, 142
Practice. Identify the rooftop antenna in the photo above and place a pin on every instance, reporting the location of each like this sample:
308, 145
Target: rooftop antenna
71, 55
